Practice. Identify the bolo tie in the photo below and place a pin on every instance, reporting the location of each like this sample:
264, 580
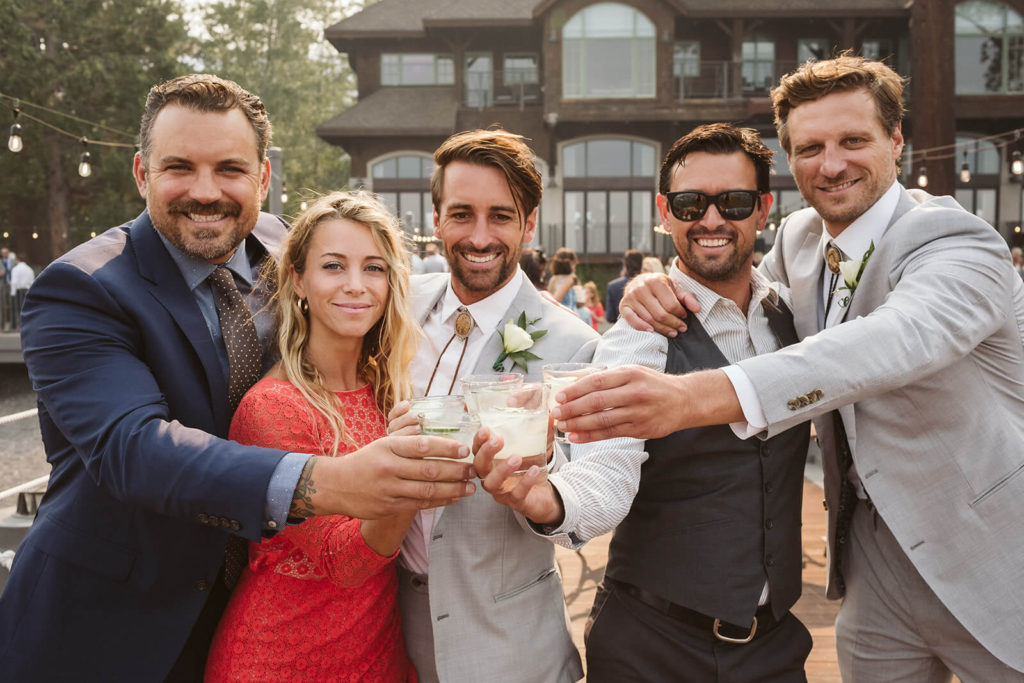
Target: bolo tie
832, 258
463, 326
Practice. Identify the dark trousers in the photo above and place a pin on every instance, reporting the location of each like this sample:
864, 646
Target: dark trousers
628, 641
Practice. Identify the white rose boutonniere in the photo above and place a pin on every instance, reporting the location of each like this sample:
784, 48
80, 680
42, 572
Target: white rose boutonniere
516, 343
851, 271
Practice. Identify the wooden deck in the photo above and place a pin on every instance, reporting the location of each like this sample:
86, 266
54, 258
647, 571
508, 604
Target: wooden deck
582, 571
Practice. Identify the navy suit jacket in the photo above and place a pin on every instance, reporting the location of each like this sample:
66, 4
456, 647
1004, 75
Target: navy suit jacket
616, 288
144, 488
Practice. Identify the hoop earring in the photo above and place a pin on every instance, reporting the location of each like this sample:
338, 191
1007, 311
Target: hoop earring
303, 307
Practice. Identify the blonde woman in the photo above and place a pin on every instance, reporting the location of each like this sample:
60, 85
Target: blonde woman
319, 599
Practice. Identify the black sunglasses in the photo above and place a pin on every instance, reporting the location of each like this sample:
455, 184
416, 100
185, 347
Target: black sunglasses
733, 205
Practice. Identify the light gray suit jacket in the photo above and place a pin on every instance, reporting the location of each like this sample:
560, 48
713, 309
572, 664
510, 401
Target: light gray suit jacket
496, 600
928, 373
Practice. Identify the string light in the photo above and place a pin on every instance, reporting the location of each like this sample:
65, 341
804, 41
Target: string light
1017, 165
85, 164
35, 235
14, 141
922, 176
965, 169
302, 205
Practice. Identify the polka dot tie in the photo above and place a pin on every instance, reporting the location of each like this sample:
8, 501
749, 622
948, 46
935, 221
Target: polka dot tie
244, 360
239, 333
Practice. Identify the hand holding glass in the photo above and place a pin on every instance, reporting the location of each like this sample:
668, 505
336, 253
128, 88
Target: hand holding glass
518, 413
560, 375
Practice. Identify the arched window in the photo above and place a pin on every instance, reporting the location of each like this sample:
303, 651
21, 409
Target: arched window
989, 48
403, 183
609, 203
608, 51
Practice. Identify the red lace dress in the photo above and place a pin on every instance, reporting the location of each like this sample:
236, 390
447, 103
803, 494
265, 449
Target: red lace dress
315, 603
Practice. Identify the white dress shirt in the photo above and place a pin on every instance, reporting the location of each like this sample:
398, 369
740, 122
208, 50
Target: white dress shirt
437, 330
854, 242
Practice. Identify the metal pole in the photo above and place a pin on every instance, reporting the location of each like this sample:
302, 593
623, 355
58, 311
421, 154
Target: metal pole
276, 176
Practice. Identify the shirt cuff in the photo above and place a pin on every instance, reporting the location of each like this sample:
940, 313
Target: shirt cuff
281, 489
750, 404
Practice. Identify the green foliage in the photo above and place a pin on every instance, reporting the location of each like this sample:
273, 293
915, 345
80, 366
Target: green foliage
276, 49
92, 59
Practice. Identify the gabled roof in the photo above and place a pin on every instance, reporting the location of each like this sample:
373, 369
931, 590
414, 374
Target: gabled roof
395, 111
811, 8
400, 18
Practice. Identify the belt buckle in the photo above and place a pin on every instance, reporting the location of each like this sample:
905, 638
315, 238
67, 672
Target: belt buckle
737, 641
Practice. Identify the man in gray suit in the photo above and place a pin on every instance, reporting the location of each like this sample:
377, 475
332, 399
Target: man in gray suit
918, 395
480, 594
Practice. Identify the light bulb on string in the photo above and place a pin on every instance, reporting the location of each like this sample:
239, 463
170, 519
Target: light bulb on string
922, 176
284, 193
303, 205
965, 170
1017, 165
14, 142
85, 162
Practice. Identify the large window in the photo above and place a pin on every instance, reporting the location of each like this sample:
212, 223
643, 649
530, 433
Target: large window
416, 69
403, 184
609, 203
608, 51
758, 65
989, 48
479, 79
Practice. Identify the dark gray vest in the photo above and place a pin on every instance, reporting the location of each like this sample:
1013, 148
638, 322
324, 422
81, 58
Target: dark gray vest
715, 514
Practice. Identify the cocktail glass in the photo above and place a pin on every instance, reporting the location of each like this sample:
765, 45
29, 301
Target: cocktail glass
445, 416
471, 383
518, 413
560, 375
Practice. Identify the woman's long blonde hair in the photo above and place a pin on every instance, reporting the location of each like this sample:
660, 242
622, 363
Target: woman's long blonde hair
388, 346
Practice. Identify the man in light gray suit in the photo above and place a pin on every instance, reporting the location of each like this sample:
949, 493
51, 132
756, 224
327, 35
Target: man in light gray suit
918, 395
480, 594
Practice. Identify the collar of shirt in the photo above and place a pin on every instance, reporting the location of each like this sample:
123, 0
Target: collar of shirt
196, 270
708, 298
487, 313
869, 227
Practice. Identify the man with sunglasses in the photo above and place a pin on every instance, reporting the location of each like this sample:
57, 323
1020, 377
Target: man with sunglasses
912, 367
705, 561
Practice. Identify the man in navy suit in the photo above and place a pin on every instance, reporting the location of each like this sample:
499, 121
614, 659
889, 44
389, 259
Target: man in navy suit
632, 262
120, 577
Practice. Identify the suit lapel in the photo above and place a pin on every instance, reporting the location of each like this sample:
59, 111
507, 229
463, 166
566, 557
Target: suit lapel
805, 281
526, 300
168, 288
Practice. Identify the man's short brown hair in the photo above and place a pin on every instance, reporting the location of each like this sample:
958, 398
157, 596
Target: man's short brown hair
814, 80
499, 149
719, 138
204, 93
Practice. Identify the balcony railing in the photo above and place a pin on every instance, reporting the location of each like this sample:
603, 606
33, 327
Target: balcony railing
498, 88
715, 79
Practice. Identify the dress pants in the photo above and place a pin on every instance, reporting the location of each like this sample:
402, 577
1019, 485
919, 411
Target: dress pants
892, 627
630, 642
417, 627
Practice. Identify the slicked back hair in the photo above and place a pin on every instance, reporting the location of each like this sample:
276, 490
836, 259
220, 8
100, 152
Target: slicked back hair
498, 149
204, 93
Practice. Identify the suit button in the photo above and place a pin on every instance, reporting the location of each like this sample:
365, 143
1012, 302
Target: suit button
769, 561
770, 524
793, 403
768, 488
201, 585
271, 524
818, 394
824, 504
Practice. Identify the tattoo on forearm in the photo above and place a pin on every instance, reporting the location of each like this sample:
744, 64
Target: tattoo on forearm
302, 499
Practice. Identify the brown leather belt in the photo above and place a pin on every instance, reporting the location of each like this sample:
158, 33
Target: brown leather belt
764, 620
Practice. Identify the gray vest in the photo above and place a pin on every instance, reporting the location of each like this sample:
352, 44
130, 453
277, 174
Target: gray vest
716, 514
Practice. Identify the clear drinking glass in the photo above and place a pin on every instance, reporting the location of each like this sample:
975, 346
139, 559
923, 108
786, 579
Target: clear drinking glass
518, 413
471, 383
445, 416
560, 375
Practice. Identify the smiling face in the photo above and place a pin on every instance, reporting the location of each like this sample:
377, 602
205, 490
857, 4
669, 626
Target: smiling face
842, 159
345, 282
203, 181
714, 251
481, 229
